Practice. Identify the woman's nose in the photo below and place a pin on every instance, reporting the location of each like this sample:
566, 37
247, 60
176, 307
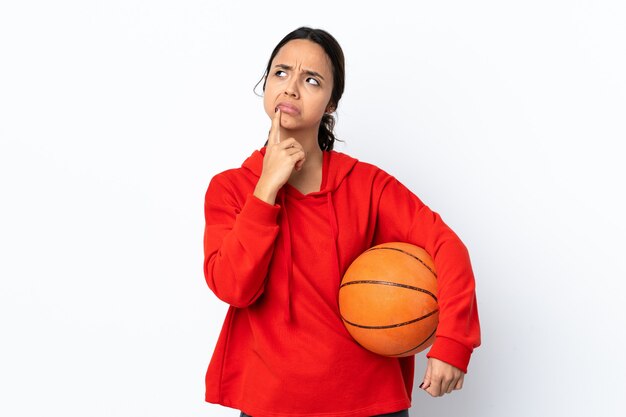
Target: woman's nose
291, 89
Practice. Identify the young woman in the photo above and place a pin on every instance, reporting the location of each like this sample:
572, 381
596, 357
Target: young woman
280, 232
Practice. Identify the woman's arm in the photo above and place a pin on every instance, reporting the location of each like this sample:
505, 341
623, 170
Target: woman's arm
403, 217
238, 243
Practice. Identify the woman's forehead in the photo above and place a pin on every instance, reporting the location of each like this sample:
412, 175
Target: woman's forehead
303, 54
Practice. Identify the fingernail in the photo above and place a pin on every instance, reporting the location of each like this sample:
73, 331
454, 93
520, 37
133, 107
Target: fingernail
421, 385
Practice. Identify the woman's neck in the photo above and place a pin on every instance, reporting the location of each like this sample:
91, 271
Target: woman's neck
312, 167
309, 142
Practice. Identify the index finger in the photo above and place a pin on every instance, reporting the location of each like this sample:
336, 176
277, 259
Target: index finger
275, 129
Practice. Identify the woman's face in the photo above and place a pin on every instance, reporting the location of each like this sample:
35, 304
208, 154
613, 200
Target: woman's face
300, 84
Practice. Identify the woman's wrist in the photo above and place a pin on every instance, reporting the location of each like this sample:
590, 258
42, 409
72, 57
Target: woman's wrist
266, 193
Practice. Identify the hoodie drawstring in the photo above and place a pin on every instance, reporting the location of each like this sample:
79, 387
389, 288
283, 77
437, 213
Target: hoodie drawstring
332, 218
286, 232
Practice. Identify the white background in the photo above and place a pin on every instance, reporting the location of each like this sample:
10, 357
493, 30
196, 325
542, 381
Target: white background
507, 118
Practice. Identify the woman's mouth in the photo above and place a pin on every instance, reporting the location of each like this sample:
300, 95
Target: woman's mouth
288, 108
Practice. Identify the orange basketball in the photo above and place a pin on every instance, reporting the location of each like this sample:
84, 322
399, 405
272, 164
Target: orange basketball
387, 299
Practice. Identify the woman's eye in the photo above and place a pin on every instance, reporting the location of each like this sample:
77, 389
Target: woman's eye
280, 73
312, 81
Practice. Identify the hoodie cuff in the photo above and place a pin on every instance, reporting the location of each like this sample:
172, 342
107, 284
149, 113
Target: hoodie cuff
451, 352
259, 211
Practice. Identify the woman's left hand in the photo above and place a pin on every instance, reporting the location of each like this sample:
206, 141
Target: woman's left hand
441, 378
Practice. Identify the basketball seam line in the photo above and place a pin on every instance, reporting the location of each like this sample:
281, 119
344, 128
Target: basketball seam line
406, 253
390, 326
393, 284
413, 348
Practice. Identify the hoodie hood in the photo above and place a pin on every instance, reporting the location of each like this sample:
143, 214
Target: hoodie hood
336, 167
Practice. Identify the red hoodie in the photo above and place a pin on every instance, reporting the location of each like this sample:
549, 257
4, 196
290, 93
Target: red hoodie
283, 349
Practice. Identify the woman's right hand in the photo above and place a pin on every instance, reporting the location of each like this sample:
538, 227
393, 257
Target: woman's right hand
282, 157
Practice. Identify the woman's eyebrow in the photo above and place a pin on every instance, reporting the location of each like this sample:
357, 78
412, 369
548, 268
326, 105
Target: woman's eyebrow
309, 72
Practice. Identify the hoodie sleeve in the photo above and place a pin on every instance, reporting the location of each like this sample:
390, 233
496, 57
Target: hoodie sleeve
403, 217
238, 243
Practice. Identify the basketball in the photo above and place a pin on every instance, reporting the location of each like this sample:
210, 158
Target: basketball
387, 299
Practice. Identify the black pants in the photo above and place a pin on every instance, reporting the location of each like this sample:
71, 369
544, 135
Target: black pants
403, 413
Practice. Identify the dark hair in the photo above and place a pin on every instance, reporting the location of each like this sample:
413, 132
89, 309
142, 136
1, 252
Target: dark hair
325, 136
